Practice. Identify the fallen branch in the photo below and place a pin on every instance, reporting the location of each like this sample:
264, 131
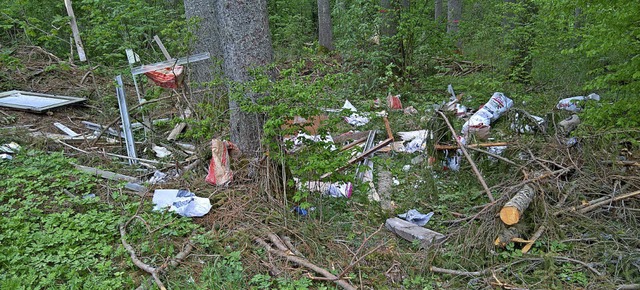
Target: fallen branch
134, 258
454, 147
533, 239
457, 272
565, 259
601, 203
304, 262
492, 155
466, 154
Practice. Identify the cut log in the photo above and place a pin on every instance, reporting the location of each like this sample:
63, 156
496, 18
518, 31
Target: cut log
412, 232
512, 211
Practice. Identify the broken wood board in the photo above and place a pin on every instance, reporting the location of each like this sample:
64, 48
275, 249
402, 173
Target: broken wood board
179, 127
412, 232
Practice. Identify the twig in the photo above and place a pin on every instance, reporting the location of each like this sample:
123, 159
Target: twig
493, 155
466, 154
598, 204
457, 272
581, 263
301, 261
353, 263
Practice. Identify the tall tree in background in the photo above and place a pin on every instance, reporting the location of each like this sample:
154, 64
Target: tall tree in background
454, 13
439, 11
325, 29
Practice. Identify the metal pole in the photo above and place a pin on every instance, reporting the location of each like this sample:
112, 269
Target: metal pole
124, 116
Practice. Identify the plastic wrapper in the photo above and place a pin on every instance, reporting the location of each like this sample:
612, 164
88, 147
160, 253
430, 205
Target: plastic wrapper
393, 102
415, 217
481, 121
574, 104
523, 125
180, 201
354, 119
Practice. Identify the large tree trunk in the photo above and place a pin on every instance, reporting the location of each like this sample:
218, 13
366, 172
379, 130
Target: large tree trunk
207, 39
325, 33
390, 22
245, 43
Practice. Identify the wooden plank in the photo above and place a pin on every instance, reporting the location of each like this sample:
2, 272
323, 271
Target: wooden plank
75, 31
412, 232
162, 48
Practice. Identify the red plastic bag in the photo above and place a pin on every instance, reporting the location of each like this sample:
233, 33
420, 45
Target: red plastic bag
169, 77
219, 168
393, 102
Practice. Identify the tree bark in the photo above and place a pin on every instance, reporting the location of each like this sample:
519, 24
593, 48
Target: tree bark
325, 33
512, 211
245, 45
207, 38
439, 12
390, 23
454, 13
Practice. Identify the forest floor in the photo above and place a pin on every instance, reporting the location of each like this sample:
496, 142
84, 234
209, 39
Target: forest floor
581, 225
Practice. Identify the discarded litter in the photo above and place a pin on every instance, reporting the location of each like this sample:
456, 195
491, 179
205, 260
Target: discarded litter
35, 101
480, 123
338, 189
569, 124
522, 125
573, 104
410, 110
181, 201
158, 177
302, 211
7, 150
416, 140
168, 77
415, 217
497, 150
354, 119
393, 102
161, 152
219, 168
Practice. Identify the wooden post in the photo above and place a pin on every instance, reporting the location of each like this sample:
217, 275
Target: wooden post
74, 29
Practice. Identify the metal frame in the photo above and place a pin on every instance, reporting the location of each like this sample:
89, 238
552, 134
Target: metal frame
67, 101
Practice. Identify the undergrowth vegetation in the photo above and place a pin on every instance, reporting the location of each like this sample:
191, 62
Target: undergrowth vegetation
61, 229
